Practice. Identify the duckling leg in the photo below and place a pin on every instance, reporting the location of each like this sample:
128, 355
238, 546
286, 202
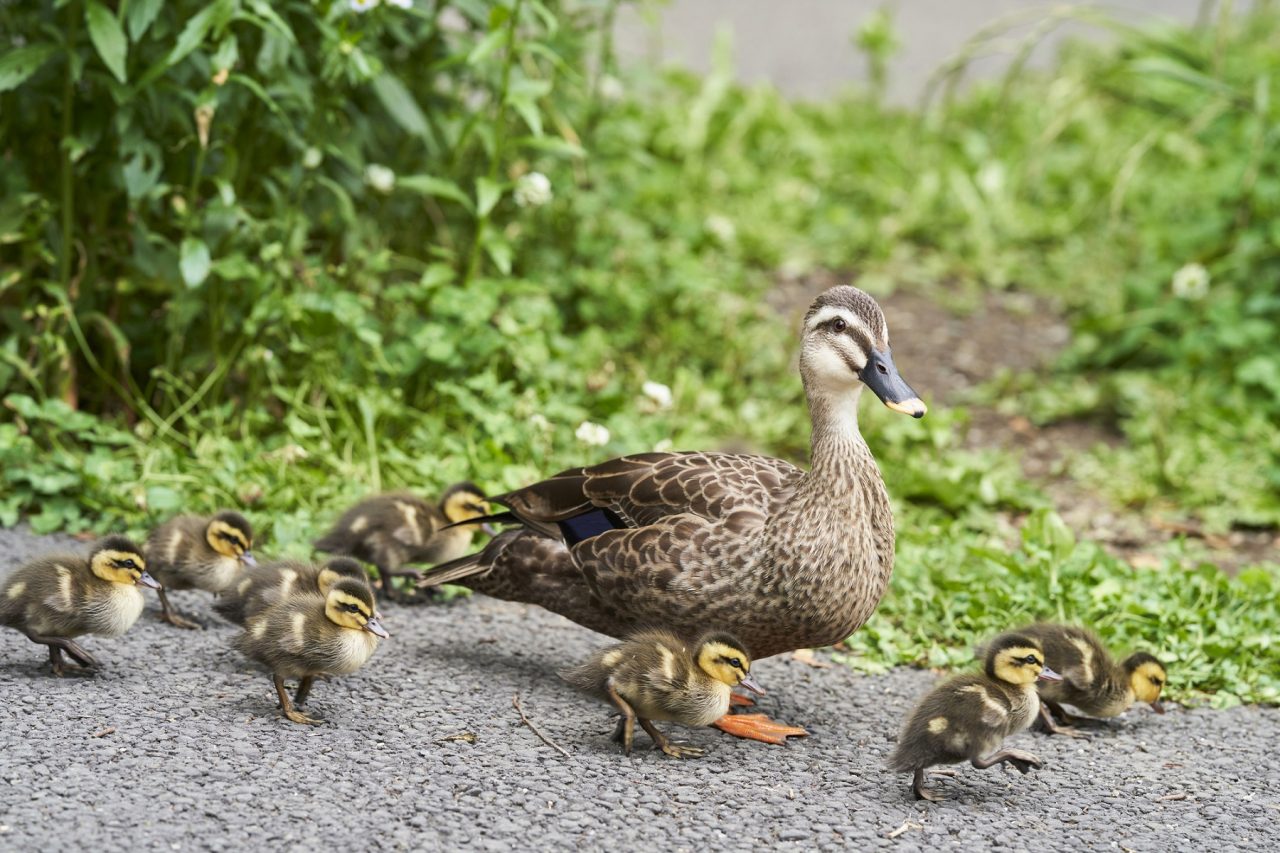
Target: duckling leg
1060, 712
626, 730
170, 615
1022, 761
921, 792
56, 646
1047, 723
758, 727
304, 690
286, 706
675, 750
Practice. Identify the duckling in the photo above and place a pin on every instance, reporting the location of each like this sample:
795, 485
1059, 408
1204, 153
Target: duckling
196, 552
969, 716
307, 634
1091, 679
397, 528
269, 583
59, 597
651, 675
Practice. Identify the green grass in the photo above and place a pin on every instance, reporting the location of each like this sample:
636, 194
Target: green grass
250, 320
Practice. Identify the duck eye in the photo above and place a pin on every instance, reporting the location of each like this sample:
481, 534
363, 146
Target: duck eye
839, 325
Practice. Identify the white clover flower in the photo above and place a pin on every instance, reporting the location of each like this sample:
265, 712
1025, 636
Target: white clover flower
362, 6
312, 157
721, 227
591, 434
401, 4
1191, 281
611, 89
657, 392
381, 178
533, 190
539, 422
663, 445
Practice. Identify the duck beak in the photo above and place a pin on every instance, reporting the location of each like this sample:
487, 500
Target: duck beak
489, 529
373, 626
1047, 674
750, 683
248, 559
881, 375
1157, 707
146, 580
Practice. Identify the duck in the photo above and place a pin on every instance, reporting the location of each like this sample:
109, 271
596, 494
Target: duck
199, 552
753, 546
968, 717
62, 596
393, 529
656, 675
306, 635
1092, 680
268, 583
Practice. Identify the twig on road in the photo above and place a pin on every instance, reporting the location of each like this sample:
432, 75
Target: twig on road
906, 825
109, 730
515, 703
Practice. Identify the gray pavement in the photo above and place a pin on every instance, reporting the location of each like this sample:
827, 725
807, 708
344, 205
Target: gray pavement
197, 758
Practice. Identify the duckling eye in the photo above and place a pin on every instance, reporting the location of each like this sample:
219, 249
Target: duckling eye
736, 663
351, 608
1031, 659
126, 564
1157, 682
839, 325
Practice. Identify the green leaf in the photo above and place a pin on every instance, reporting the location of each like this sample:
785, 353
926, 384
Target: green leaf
487, 195
485, 46
194, 261
21, 62
499, 251
140, 15
400, 103
107, 37
438, 187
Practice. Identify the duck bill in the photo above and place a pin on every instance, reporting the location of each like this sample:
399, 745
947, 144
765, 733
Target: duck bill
1157, 707
488, 529
750, 683
248, 559
881, 375
146, 580
373, 626
1047, 674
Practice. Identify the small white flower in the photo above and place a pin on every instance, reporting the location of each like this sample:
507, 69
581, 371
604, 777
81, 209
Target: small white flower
592, 434
663, 445
381, 178
990, 178
362, 6
312, 157
401, 4
533, 190
1191, 281
657, 392
539, 422
290, 453
721, 227
611, 89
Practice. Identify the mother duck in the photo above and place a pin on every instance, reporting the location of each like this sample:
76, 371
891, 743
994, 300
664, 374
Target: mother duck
779, 557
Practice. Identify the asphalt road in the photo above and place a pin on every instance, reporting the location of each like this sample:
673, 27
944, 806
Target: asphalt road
176, 745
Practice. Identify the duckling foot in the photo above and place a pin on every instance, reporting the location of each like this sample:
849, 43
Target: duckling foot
670, 747
758, 727
1047, 724
399, 596
286, 707
921, 792
1023, 762
56, 646
168, 614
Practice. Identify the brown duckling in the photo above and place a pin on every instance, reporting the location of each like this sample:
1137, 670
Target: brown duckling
55, 598
266, 584
655, 675
307, 634
199, 552
1092, 681
394, 529
968, 717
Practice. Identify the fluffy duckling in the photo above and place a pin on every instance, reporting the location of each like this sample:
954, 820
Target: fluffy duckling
653, 675
307, 634
968, 717
59, 597
1091, 679
394, 529
198, 552
267, 584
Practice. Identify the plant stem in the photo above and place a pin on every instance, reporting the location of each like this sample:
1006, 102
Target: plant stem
68, 179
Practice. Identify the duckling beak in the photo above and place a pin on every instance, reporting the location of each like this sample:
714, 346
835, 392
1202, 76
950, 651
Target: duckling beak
750, 683
1047, 674
881, 375
489, 529
373, 626
1157, 707
146, 580
248, 559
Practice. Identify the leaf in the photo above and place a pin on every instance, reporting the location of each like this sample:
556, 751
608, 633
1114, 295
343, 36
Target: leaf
488, 193
140, 15
21, 62
400, 103
438, 187
499, 250
194, 261
485, 46
107, 37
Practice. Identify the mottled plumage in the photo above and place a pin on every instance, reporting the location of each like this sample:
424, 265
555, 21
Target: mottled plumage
268, 584
655, 675
199, 552
968, 717
779, 557
58, 597
400, 528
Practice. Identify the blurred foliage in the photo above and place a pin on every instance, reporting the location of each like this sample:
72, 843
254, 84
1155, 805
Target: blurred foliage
279, 255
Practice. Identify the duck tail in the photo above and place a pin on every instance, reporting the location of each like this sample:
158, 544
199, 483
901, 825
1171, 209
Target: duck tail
454, 570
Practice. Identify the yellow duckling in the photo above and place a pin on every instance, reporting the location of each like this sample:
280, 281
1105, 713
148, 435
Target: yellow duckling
1091, 679
269, 583
307, 634
653, 675
394, 529
196, 552
968, 717
59, 597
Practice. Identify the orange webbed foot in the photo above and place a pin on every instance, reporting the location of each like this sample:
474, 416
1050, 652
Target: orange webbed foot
758, 727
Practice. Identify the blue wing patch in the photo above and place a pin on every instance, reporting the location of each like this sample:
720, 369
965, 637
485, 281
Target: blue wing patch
589, 524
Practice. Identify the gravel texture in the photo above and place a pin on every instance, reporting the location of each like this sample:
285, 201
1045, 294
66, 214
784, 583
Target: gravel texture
176, 744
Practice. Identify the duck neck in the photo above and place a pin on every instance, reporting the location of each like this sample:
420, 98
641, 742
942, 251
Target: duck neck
839, 455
